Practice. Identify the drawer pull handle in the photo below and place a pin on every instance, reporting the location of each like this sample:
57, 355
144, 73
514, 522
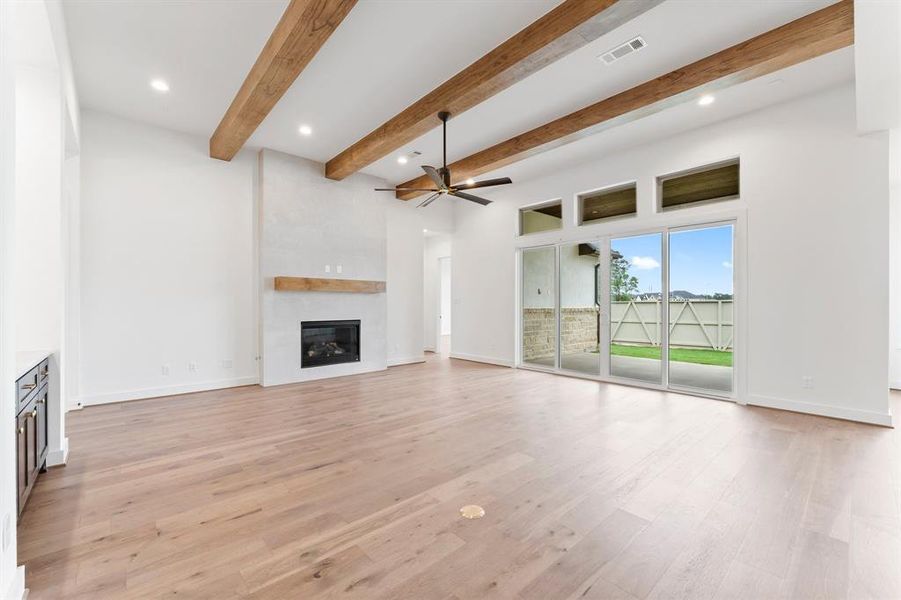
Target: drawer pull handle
21, 430
34, 413
42, 401
28, 386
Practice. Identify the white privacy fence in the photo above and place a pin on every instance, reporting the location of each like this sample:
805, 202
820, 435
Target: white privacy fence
693, 323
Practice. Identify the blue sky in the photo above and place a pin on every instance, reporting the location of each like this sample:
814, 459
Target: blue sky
700, 260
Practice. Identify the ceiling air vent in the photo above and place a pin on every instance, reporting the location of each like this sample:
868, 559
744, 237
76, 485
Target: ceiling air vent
633, 45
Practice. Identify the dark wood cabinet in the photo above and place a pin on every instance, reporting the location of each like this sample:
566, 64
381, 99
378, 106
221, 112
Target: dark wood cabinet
31, 429
22, 473
40, 423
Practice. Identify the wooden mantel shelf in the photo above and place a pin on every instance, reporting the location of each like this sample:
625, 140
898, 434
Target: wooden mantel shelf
317, 284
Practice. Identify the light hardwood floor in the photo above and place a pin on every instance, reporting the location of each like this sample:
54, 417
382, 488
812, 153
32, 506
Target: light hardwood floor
350, 488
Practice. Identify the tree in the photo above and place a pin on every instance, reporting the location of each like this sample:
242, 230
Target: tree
622, 284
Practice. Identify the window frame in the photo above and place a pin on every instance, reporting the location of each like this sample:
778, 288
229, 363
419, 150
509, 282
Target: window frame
581, 196
532, 208
661, 179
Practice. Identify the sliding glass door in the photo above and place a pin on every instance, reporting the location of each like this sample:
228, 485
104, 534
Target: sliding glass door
539, 306
655, 308
636, 283
701, 308
580, 314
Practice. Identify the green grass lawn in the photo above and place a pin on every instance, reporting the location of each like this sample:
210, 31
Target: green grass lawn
690, 355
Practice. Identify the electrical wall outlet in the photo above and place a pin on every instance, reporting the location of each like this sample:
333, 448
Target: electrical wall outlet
165, 370
338, 269
226, 364
807, 382
192, 367
328, 268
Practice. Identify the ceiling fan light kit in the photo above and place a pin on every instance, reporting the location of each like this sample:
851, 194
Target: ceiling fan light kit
442, 178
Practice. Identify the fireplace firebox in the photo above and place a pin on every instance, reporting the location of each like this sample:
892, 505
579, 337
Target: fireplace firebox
329, 343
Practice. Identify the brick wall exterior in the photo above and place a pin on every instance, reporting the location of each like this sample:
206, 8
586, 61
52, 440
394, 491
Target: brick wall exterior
578, 326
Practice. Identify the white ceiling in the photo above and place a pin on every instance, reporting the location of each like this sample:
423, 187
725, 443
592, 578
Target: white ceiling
815, 75
387, 54
203, 48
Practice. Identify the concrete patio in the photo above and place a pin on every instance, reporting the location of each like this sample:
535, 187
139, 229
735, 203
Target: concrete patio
693, 375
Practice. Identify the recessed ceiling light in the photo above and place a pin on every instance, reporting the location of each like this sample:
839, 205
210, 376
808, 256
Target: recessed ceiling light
425, 230
706, 100
470, 181
159, 85
402, 160
305, 130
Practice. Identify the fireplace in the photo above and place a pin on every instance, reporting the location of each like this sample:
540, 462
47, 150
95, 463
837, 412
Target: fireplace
329, 343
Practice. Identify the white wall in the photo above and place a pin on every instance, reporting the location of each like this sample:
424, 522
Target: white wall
309, 226
576, 278
895, 258
71, 242
815, 197
64, 62
11, 579
436, 246
167, 263
40, 205
483, 281
405, 281
538, 273
445, 303
877, 64
39, 137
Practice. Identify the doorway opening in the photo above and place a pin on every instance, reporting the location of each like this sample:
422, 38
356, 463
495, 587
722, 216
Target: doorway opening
437, 295
444, 305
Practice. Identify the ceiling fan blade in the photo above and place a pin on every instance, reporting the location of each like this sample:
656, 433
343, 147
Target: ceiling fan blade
471, 198
434, 175
400, 189
485, 183
428, 200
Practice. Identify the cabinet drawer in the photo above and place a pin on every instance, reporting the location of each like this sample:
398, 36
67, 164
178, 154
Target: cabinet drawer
43, 372
27, 386
27, 458
40, 423
22, 475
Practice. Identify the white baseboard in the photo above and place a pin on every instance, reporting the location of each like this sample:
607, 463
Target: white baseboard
482, 359
59, 457
823, 410
16, 589
173, 390
395, 362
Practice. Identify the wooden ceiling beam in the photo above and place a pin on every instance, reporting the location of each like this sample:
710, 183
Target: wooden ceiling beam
818, 33
300, 33
569, 26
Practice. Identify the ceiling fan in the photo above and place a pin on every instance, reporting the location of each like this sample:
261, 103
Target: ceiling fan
442, 179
